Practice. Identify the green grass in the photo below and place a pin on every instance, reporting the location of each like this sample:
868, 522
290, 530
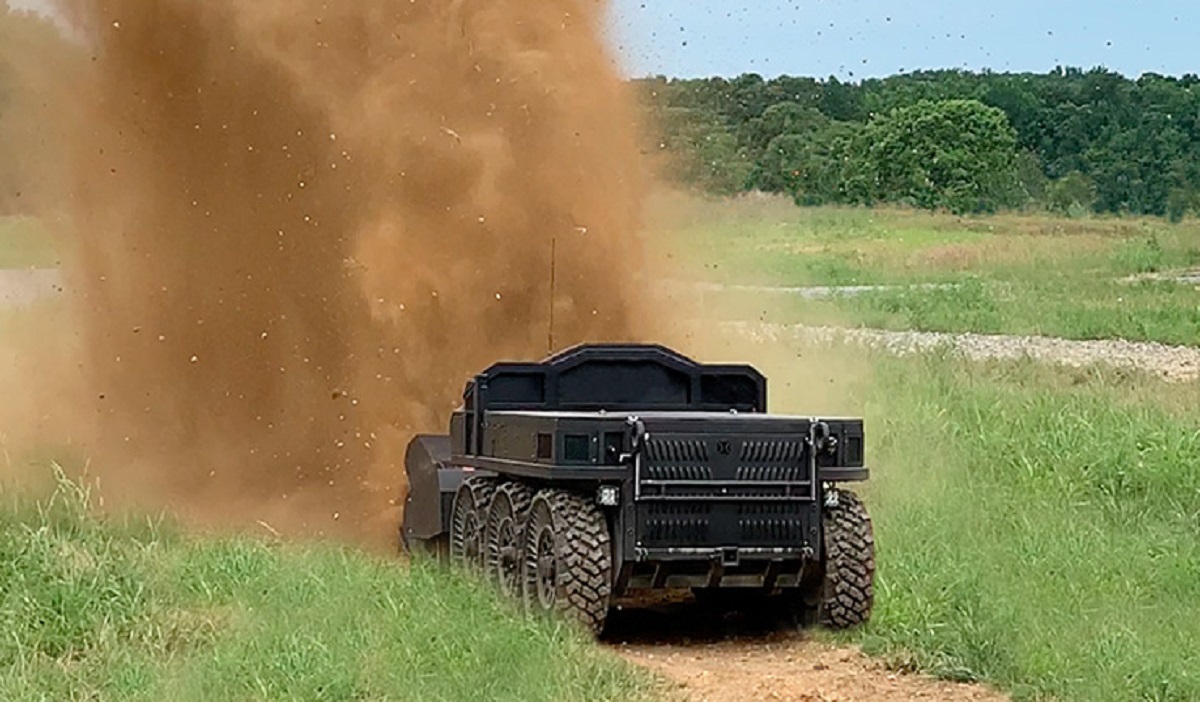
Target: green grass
25, 244
1164, 312
1037, 528
771, 241
1012, 274
128, 610
1083, 308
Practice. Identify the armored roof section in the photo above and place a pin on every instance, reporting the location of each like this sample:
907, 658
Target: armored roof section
618, 377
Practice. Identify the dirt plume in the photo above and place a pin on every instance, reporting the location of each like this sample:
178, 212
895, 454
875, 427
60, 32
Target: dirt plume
295, 228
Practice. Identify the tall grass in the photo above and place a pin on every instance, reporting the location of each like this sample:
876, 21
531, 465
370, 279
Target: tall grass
1037, 528
773, 242
136, 611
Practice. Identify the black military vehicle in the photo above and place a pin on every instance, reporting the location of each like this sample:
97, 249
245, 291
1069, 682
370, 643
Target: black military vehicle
609, 472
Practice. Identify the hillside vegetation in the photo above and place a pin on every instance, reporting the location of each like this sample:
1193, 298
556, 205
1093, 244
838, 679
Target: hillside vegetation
1068, 140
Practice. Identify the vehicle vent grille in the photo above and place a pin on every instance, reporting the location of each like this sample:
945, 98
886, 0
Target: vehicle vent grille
677, 450
790, 474
677, 459
772, 451
676, 472
780, 530
754, 468
777, 460
677, 524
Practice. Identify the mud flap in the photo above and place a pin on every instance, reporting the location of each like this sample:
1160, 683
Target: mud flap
432, 484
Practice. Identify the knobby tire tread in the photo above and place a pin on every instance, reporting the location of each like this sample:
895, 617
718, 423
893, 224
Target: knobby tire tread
849, 587
583, 548
482, 490
520, 498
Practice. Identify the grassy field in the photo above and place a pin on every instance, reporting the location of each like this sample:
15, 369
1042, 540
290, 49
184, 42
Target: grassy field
24, 244
1046, 539
138, 611
1013, 274
1037, 527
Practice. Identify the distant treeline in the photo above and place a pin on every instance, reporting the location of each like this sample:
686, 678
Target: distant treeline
1071, 141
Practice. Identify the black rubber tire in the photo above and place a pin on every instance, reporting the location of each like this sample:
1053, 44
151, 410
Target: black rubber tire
467, 520
568, 559
848, 587
436, 549
503, 536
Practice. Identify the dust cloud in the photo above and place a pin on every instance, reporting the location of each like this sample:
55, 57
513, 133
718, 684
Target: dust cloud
292, 229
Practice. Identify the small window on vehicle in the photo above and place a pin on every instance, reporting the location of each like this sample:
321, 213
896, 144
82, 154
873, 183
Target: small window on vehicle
854, 451
577, 447
545, 446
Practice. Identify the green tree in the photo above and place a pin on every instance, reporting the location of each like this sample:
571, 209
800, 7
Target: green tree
1135, 144
1074, 194
1033, 185
807, 166
777, 120
959, 155
842, 101
702, 152
1136, 169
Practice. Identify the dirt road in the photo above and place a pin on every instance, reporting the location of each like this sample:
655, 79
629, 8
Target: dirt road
795, 671
707, 658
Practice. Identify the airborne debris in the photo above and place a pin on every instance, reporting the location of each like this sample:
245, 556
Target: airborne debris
398, 194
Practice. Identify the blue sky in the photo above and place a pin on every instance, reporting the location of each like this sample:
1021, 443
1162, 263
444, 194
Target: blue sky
867, 38
855, 39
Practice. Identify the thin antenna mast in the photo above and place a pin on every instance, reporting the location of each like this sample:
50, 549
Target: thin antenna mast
553, 286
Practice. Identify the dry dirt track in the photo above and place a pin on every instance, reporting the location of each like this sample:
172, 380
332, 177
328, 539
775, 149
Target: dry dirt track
791, 671
707, 659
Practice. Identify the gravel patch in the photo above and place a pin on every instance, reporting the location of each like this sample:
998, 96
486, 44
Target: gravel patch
807, 292
1171, 363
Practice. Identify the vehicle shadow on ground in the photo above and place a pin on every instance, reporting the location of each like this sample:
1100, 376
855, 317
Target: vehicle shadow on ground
689, 623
